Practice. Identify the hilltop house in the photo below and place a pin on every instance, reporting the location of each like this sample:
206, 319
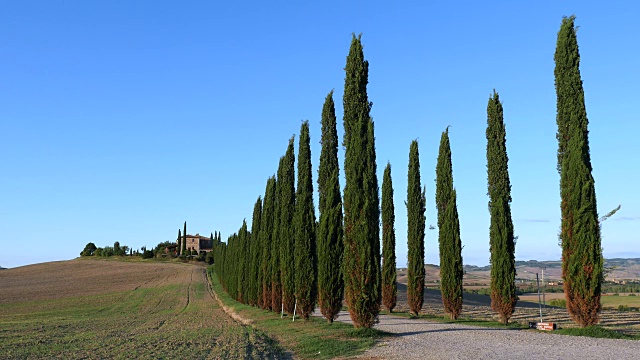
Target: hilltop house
198, 243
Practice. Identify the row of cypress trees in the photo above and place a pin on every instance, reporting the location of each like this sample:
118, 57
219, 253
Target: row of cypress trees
274, 265
291, 261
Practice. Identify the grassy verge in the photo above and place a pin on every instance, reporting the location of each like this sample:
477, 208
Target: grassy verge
311, 339
596, 332
461, 320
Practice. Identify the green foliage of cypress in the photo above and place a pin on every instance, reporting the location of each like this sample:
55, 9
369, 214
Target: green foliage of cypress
389, 286
329, 232
415, 232
286, 180
305, 254
582, 262
501, 240
361, 202
178, 242
183, 250
255, 285
266, 233
243, 259
448, 232
276, 282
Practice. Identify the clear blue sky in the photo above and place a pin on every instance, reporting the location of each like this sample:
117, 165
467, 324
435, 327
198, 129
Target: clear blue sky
122, 119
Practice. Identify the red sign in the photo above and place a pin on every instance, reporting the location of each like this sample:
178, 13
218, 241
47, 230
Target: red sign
545, 326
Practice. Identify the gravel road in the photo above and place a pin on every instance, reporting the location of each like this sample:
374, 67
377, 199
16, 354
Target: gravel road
423, 339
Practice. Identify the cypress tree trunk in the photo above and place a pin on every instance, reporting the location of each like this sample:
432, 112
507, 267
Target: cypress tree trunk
287, 240
184, 240
305, 258
415, 232
448, 232
582, 262
276, 283
330, 244
266, 231
361, 202
501, 241
255, 287
389, 286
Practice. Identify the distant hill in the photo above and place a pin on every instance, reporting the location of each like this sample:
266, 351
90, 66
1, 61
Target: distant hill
616, 269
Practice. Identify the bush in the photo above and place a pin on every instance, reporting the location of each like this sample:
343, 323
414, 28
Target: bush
147, 254
209, 258
561, 303
622, 307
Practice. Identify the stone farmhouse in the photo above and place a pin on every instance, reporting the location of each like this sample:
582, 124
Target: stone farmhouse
198, 243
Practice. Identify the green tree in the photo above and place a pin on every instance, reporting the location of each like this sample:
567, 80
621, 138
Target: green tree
255, 284
242, 259
184, 240
361, 202
330, 244
415, 232
286, 180
582, 262
266, 232
305, 254
178, 242
89, 249
501, 240
276, 280
448, 232
389, 286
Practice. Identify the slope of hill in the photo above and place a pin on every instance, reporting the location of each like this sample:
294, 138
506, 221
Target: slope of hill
114, 309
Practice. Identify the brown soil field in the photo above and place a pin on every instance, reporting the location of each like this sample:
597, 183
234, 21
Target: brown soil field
82, 277
101, 309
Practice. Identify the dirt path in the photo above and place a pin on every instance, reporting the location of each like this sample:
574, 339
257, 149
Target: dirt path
423, 339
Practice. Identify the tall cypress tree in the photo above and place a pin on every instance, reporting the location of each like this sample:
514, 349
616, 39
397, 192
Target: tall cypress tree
276, 280
266, 232
502, 244
286, 179
243, 260
255, 286
305, 254
184, 240
582, 262
178, 241
361, 201
415, 232
448, 232
389, 286
330, 244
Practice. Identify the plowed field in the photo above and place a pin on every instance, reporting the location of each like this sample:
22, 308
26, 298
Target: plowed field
122, 310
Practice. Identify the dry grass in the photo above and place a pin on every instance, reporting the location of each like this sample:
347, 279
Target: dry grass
111, 309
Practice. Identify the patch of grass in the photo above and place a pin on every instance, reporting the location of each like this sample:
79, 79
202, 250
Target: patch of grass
461, 320
314, 338
596, 332
611, 301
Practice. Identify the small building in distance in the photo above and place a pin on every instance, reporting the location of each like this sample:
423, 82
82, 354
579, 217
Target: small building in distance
198, 243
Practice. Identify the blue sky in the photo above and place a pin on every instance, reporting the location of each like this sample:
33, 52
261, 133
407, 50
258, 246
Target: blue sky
122, 119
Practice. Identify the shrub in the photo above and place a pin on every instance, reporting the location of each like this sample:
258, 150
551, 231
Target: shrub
561, 303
